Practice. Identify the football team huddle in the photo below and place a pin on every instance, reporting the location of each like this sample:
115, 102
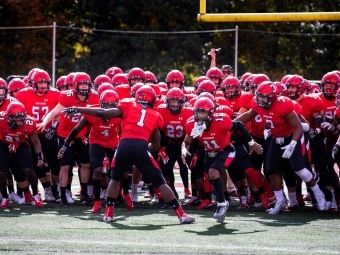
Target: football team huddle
249, 134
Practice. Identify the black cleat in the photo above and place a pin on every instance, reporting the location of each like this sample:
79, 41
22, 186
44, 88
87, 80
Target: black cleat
64, 203
86, 200
162, 203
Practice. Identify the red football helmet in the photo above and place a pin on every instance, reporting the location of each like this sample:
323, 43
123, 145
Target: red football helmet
16, 85
175, 76
100, 79
219, 94
124, 91
60, 83
136, 73
157, 90
82, 78
314, 88
41, 76
135, 87
222, 101
244, 86
175, 99
203, 109
256, 81
16, 115
119, 79
215, 72
150, 77
30, 75
3, 85
103, 87
206, 86
69, 81
229, 83
281, 89
266, 94
206, 94
163, 87
109, 99
285, 78
330, 84
199, 80
295, 81
112, 71
146, 96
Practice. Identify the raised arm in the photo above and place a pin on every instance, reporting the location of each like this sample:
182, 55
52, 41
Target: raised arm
97, 112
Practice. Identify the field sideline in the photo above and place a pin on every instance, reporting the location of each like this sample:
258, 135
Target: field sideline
149, 230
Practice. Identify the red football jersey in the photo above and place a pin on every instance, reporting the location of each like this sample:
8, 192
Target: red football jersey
310, 104
6, 102
138, 122
69, 98
104, 133
225, 109
245, 99
174, 124
158, 103
218, 136
275, 117
17, 136
38, 106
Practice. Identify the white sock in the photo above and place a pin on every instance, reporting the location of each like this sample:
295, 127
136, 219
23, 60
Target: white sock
279, 195
292, 198
90, 190
134, 187
316, 189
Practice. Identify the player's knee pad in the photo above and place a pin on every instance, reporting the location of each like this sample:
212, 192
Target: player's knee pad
305, 175
20, 176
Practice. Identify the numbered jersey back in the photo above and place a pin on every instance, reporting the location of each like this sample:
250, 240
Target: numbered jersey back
138, 122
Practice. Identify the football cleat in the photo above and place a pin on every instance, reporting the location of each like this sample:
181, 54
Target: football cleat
96, 207
147, 195
86, 200
243, 202
108, 216
69, 198
154, 200
307, 197
63, 203
38, 200
265, 201
300, 200
193, 201
29, 199
292, 205
251, 200
183, 217
48, 195
187, 193
320, 199
4, 203
16, 198
206, 204
220, 212
128, 202
103, 194
161, 203
279, 207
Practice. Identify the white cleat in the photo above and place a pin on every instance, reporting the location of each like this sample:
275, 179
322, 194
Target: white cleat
69, 198
16, 198
279, 207
48, 195
220, 212
320, 199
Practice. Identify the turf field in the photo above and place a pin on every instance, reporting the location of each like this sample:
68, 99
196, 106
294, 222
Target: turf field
25, 229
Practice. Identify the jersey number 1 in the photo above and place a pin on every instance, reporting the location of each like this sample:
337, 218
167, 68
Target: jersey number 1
142, 118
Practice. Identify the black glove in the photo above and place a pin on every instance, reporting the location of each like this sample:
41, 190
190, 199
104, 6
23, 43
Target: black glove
51, 131
69, 111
